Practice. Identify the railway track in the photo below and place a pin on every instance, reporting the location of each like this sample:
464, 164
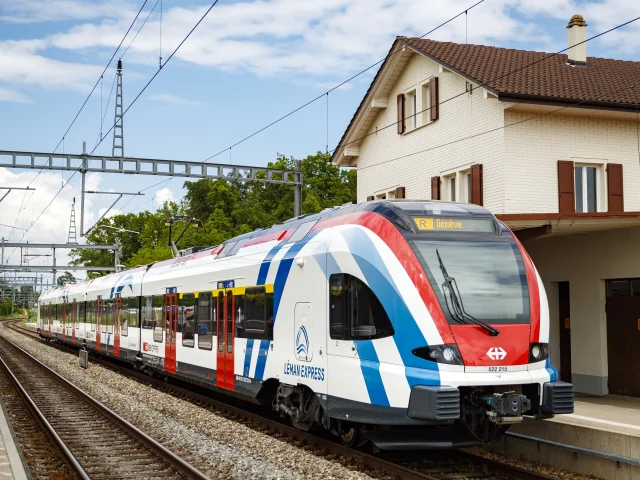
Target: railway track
409, 466
96, 442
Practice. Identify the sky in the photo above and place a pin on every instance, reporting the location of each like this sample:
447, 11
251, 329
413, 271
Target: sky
247, 64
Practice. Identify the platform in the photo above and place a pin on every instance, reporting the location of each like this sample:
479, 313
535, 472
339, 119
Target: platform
609, 425
11, 466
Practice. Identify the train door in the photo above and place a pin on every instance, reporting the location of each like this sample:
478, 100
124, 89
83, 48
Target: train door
50, 310
225, 310
99, 324
117, 309
171, 324
74, 318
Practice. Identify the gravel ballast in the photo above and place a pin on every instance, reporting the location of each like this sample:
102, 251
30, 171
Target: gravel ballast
219, 447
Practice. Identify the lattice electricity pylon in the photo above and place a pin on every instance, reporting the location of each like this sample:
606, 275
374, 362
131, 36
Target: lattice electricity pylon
72, 239
118, 131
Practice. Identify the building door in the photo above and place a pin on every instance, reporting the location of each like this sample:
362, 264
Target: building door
226, 320
171, 325
117, 312
99, 325
623, 336
564, 316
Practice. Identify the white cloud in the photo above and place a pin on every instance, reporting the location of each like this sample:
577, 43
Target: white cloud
7, 95
173, 99
32, 11
163, 195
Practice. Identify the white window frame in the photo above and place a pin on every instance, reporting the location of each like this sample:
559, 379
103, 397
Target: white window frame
411, 109
425, 103
462, 177
601, 185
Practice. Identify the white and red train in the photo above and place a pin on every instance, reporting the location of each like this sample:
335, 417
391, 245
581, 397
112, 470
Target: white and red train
409, 324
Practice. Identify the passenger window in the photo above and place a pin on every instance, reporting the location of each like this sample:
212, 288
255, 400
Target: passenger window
147, 313
205, 322
91, 315
124, 316
188, 319
257, 315
157, 320
355, 311
134, 312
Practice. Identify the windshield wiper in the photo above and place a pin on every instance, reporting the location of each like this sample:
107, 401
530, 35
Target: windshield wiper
459, 313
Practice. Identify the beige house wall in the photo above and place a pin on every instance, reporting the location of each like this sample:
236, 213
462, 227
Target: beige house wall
380, 166
533, 148
585, 261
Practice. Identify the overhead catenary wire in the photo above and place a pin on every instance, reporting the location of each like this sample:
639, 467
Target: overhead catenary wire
485, 83
123, 113
326, 94
81, 109
353, 77
479, 134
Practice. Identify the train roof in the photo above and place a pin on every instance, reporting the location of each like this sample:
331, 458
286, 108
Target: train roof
398, 212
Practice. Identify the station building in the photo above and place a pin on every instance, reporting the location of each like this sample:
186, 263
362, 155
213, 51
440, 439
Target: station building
551, 145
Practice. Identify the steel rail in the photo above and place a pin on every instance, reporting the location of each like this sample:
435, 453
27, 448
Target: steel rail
182, 466
371, 461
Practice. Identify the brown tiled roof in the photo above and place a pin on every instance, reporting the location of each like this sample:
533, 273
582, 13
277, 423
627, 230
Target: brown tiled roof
509, 72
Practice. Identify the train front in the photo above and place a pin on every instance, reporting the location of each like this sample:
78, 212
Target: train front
493, 322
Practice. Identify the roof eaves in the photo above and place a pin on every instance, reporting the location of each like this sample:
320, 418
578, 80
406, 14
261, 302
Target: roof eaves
363, 101
449, 67
566, 102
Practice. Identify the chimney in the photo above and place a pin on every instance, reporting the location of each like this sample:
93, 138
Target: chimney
577, 29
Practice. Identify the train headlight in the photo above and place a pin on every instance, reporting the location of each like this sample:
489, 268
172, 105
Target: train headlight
538, 352
440, 353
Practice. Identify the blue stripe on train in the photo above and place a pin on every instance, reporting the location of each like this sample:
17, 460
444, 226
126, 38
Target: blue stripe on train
266, 263
247, 357
407, 333
262, 359
371, 373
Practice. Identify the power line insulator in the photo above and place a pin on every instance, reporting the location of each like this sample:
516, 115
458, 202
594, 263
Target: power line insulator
119, 65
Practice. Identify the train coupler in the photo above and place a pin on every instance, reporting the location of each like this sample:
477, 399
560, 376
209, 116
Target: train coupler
506, 408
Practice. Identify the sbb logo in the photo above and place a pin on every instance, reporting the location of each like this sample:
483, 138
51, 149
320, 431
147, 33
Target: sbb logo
496, 353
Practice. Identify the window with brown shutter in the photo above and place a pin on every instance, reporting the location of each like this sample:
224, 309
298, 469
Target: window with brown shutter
369, 198
477, 194
400, 192
566, 187
614, 187
401, 125
435, 188
435, 99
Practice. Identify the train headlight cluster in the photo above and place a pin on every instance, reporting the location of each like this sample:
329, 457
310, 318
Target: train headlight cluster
440, 353
538, 352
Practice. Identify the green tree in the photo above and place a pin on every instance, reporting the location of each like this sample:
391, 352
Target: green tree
66, 278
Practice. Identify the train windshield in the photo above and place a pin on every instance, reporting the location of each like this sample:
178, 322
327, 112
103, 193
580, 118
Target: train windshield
482, 279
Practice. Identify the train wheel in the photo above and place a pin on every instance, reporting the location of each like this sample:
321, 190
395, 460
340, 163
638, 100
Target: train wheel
349, 434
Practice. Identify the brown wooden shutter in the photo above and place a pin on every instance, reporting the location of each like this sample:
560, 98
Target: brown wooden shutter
400, 192
401, 125
614, 187
477, 194
435, 99
566, 188
435, 188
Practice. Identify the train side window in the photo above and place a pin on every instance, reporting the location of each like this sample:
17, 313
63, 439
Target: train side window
205, 321
147, 312
257, 317
188, 319
355, 311
82, 312
124, 316
134, 312
91, 314
157, 321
